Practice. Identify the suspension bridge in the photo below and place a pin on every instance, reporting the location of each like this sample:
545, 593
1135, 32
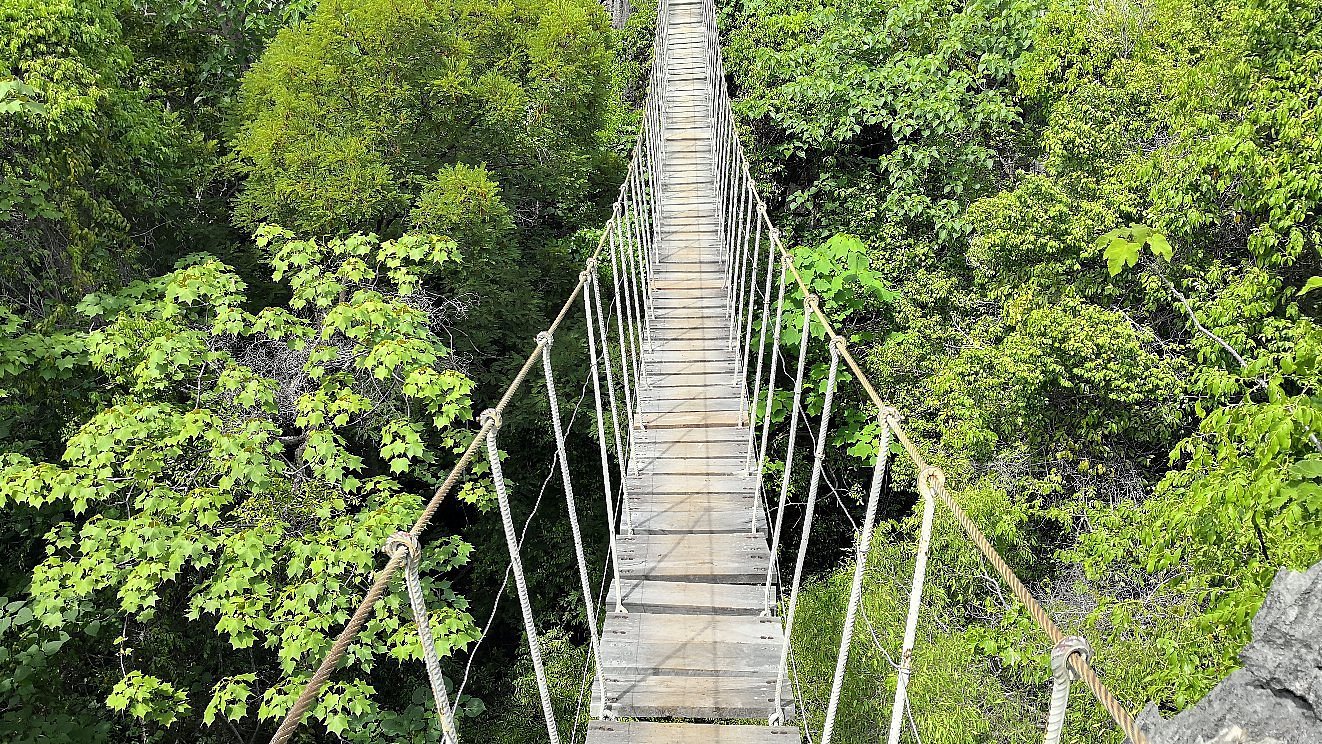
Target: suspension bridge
684, 302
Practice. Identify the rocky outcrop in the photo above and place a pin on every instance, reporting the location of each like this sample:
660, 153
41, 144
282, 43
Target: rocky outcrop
1276, 698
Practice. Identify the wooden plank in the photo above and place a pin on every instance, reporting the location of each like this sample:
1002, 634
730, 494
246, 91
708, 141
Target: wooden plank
650, 449
680, 522
653, 405
670, 645
704, 698
689, 597
648, 732
718, 558
727, 434
686, 484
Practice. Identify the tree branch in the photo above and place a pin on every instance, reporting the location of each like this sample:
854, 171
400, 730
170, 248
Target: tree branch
1197, 324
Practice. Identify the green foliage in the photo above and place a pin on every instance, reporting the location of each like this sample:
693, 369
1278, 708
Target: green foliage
91, 165
246, 475
194, 53
1123, 246
1135, 426
351, 114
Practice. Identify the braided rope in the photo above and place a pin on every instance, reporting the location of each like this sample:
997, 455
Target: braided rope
789, 457
491, 421
621, 320
863, 545
620, 453
562, 452
756, 450
1061, 675
723, 116
601, 444
761, 341
408, 545
929, 480
814, 483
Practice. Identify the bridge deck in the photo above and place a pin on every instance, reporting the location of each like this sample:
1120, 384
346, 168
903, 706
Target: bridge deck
692, 645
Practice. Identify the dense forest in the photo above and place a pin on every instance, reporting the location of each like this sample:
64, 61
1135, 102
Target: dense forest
262, 262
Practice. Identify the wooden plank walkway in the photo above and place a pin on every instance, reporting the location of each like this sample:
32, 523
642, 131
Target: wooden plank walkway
693, 644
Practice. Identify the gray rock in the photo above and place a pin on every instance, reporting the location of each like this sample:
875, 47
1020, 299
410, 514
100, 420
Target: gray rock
1276, 698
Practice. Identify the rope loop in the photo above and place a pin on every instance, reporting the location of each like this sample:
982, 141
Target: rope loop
1061, 653
889, 414
838, 344
407, 542
491, 416
775, 238
545, 339
931, 481
812, 301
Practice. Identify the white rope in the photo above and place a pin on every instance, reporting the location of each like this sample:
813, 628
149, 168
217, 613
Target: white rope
744, 251
928, 481
574, 528
601, 440
520, 584
622, 319
620, 454
778, 713
412, 549
789, 456
771, 376
1061, 676
766, 311
864, 542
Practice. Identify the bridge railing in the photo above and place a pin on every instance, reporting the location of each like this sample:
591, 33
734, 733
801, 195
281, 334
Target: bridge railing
624, 255
615, 290
755, 247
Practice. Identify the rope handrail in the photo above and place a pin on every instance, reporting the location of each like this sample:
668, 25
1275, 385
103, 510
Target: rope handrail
630, 192
741, 195
630, 241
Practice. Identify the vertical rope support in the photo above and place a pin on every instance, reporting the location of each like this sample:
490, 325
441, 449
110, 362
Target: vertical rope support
765, 305
1061, 676
562, 454
516, 563
929, 482
862, 546
747, 267
744, 266
750, 306
601, 431
635, 273
620, 454
778, 712
809, 303
760, 451
622, 320
407, 548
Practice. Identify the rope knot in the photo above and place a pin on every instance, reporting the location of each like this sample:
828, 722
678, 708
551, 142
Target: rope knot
775, 238
490, 416
889, 413
1061, 653
838, 344
407, 542
762, 209
545, 339
931, 481
812, 301
590, 266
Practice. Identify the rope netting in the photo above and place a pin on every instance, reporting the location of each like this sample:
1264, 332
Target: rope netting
755, 262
